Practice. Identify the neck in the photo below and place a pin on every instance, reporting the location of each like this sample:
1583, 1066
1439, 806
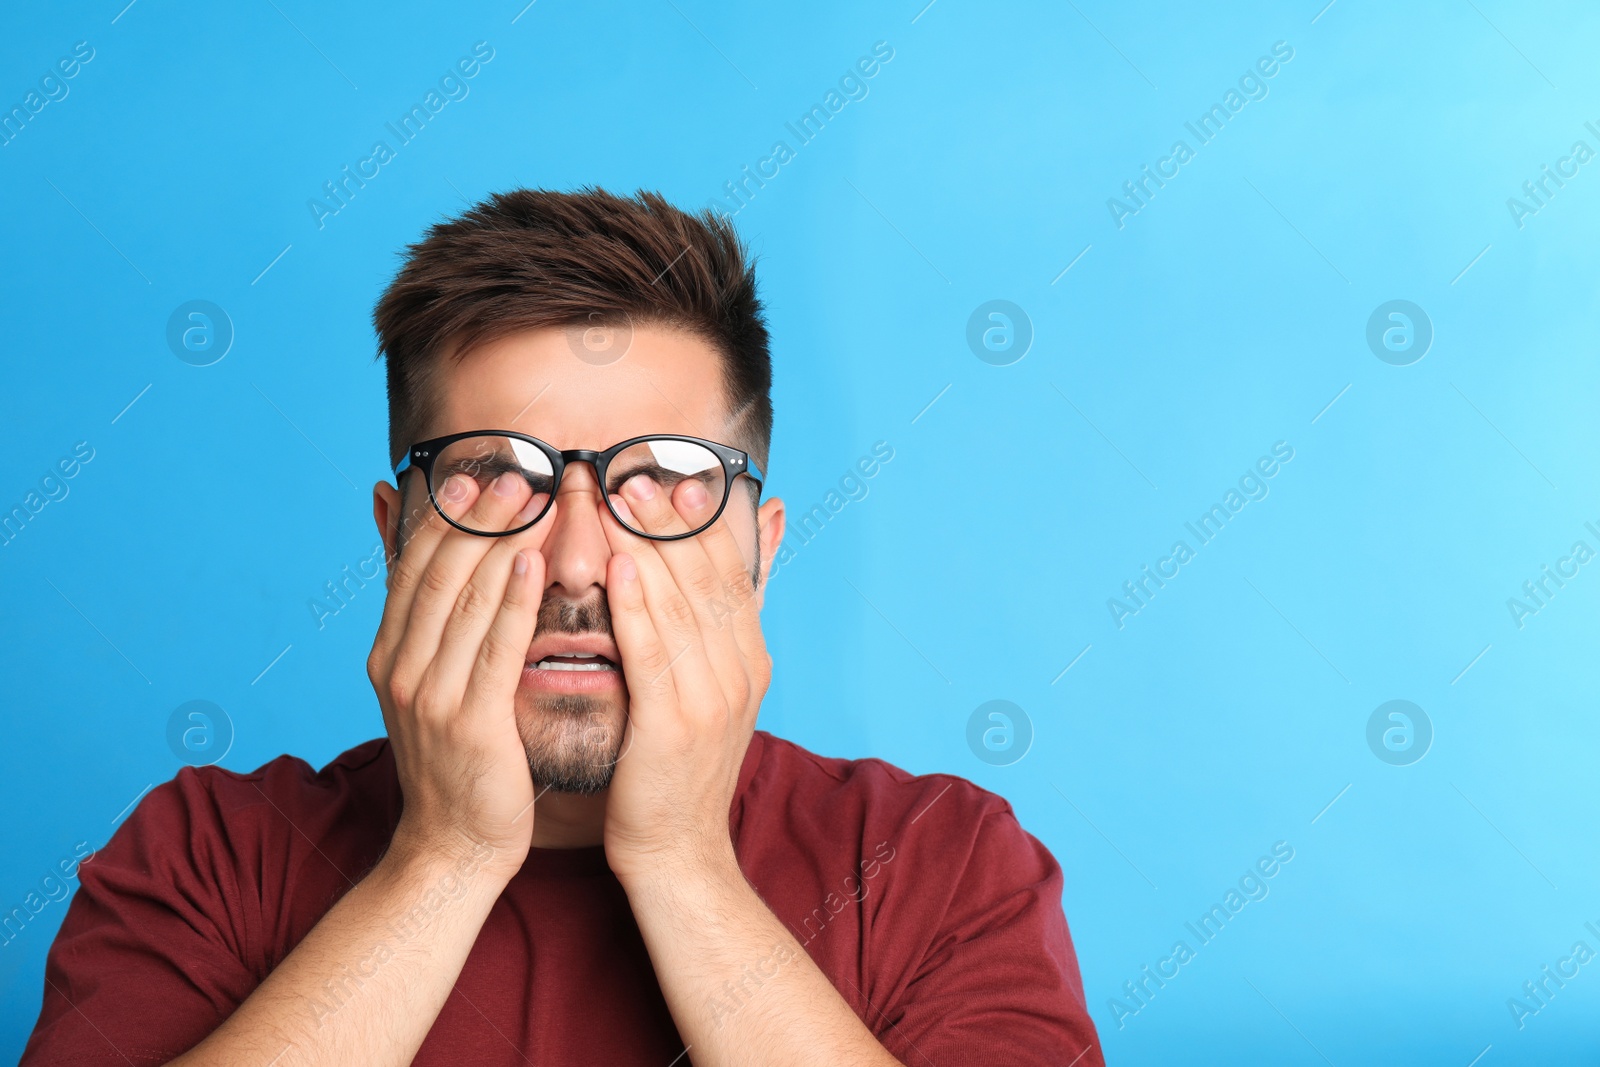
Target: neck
566, 820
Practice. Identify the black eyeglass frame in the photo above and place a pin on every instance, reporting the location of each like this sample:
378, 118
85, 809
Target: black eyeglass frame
734, 462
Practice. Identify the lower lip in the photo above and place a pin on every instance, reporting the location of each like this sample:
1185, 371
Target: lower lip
571, 681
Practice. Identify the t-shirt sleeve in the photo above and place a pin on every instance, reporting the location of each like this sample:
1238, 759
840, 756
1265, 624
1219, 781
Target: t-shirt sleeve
999, 980
152, 955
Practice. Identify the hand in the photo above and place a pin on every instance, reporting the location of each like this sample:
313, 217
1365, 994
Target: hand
686, 620
446, 664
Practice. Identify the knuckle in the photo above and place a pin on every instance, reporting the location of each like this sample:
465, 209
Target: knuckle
400, 691
739, 586
625, 601
678, 614
377, 666
473, 604
435, 582
405, 574
655, 662
457, 734
428, 698
496, 647
703, 584
713, 715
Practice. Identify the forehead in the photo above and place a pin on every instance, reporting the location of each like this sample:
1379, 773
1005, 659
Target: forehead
547, 384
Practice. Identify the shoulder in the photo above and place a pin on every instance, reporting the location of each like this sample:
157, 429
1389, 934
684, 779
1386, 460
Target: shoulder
889, 877
925, 902
869, 781
290, 779
873, 801
210, 817
287, 784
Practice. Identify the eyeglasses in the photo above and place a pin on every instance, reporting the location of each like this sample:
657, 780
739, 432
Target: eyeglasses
666, 459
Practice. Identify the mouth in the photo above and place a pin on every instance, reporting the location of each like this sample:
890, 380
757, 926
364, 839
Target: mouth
576, 661
573, 663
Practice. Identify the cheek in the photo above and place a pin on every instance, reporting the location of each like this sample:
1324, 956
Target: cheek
745, 534
415, 509
741, 520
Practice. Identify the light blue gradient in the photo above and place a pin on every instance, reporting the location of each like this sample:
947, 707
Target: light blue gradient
184, 560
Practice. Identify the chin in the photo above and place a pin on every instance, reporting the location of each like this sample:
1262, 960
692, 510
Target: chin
573, 741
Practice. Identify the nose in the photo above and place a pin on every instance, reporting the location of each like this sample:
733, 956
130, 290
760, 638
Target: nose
576, 551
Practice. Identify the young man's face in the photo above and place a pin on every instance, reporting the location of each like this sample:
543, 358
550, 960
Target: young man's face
572, 716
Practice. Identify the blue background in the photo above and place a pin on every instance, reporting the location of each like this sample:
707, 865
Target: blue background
1227, 315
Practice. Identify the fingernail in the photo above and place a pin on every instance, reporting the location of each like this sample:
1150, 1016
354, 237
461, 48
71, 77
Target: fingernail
694, 495
626, 568
520, 565
454, 488
623, 511
506, 484
639, 487
531, 508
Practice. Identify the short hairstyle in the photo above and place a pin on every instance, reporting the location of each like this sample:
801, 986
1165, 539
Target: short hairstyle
532, 259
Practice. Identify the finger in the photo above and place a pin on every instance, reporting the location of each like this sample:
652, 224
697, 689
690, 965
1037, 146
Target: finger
476, 609
497, 669
444, 579
721, 594
699, 687
741, 613
456, 496
440, 586
646, 661
741, 610
688, 505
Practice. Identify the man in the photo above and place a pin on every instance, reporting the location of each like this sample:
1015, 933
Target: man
572, 847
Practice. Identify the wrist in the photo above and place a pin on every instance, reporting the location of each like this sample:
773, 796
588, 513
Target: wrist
455, 859
685, 862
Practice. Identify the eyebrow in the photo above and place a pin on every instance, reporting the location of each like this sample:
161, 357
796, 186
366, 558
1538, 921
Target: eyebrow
654, 469
495, 461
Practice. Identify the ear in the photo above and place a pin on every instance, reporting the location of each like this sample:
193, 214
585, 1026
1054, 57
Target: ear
386, 509
770, 519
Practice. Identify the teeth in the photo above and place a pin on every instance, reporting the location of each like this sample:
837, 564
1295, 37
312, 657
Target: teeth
553, 665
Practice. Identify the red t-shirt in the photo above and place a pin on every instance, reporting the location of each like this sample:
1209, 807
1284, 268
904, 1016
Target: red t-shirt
929, 908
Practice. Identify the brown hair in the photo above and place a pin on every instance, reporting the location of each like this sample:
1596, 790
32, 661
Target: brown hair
532, 259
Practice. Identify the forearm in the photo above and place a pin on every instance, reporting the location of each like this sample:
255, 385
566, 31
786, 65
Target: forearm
740, 987
367, 982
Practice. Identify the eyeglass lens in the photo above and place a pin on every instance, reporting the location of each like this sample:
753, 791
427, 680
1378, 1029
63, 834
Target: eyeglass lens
483, 458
